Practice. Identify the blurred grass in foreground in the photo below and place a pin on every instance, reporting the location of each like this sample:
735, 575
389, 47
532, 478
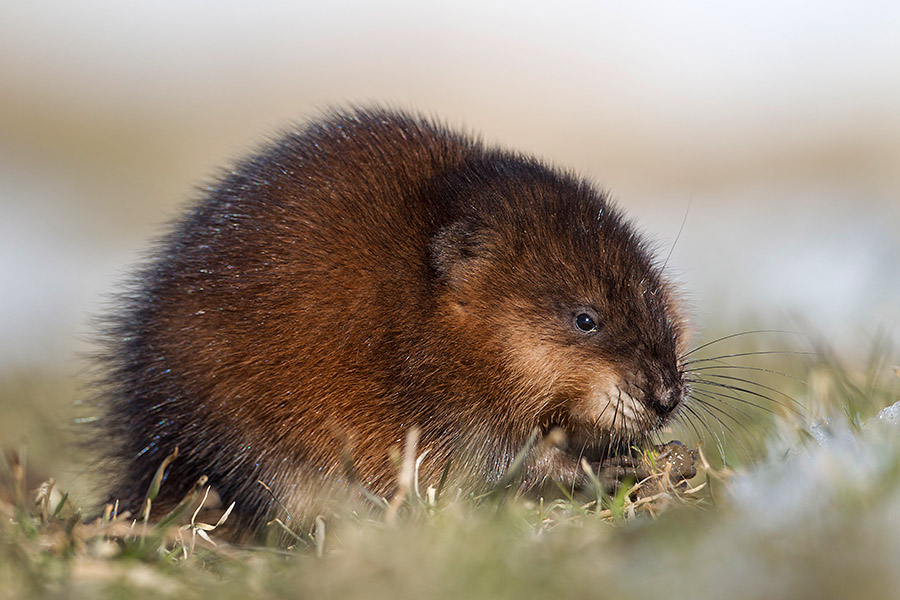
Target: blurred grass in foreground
804, 507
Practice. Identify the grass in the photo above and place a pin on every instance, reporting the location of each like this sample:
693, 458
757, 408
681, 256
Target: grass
787, 506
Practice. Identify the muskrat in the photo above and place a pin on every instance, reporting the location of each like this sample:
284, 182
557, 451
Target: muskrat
368, 273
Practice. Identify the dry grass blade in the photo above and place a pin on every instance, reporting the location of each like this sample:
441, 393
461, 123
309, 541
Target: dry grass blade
42, 500
320, 536
407, 474
182, 507
156, 483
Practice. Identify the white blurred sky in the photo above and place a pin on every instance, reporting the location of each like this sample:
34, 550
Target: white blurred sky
778, 122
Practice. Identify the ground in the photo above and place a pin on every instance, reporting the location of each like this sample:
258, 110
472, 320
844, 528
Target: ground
800, 501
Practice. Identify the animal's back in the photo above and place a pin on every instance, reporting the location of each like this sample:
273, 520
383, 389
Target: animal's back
229, 343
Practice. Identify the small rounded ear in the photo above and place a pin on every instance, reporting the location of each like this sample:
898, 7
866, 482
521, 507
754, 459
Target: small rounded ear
452, 250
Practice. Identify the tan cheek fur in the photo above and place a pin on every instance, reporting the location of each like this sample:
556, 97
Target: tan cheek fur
609, 407
561, 378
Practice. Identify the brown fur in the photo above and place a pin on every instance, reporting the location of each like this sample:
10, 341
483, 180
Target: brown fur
373, 272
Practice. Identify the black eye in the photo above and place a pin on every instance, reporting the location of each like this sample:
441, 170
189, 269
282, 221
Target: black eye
586, 322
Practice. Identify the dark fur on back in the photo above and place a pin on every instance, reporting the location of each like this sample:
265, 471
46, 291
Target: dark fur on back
368, 273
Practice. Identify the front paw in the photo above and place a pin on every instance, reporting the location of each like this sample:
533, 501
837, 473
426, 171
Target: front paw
673, 458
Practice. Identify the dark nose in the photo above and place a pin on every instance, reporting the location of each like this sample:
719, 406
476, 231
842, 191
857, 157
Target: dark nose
670, 399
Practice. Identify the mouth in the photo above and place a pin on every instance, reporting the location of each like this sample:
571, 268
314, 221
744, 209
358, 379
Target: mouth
609, 415
605, 427
579, 460
596, 446
579, 441
600, 428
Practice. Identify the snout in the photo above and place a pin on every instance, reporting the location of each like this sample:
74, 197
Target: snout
670, 399
667, 395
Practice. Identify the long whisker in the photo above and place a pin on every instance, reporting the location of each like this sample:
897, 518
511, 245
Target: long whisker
746, 368
715, 398
710, 405
746, 391
721, 395
699, 418
616, 413
720, 445
690, 421
676, 420
733, 335
677, 236
761, 353
713, 434
751, 382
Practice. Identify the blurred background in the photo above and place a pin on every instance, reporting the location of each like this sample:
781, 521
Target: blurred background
771, 129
